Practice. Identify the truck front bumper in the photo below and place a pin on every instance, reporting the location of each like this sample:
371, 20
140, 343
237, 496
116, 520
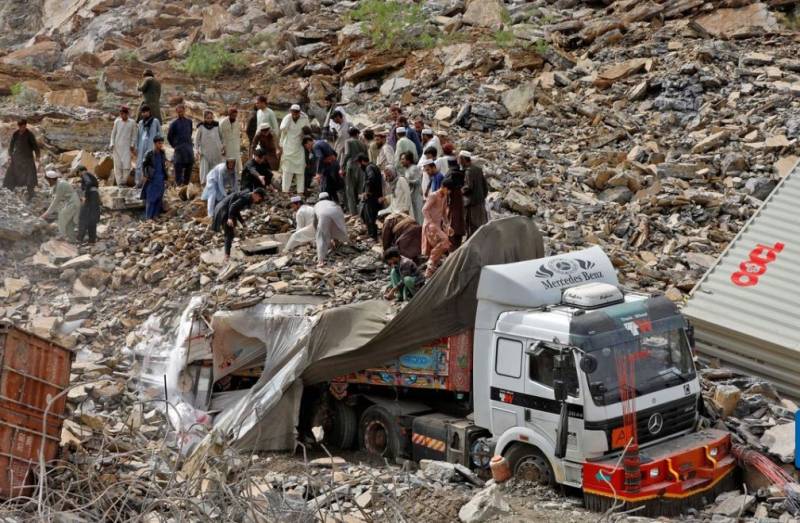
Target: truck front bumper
675, 475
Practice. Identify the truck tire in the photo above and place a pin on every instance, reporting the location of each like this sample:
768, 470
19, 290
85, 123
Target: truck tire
338, 420
344, 426
379, 432
527, 463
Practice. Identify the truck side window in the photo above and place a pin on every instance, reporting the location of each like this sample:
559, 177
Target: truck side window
540, 369
508, 359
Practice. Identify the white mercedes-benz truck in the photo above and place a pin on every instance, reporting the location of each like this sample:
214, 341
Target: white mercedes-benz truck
551, 338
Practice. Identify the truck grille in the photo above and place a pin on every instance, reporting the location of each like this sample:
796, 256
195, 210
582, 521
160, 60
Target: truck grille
677, 416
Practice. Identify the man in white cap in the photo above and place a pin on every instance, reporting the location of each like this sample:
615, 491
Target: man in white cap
475, 191
331, 226
431, 140
66, 201
404, 145
385, 155
293, 158
304, 218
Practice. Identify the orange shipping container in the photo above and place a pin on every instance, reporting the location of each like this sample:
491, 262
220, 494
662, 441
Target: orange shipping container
33, 372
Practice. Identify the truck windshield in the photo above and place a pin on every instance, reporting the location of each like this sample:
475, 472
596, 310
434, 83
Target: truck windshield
661, 360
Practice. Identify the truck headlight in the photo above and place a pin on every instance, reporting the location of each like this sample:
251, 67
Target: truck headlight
713, 451
654, 472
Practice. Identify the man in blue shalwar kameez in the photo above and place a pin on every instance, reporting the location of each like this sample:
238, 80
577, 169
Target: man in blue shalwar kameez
154, 170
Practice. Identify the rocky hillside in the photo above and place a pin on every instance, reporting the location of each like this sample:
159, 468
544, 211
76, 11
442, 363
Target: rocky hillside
651, 128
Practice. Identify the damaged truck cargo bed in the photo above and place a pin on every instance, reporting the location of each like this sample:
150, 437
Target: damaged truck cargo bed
745, 310
507, 362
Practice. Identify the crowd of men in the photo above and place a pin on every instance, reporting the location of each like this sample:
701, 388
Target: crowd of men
428, 198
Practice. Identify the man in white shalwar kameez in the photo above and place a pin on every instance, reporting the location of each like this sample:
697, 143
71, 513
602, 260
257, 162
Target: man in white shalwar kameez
123, 145
385, 151
293, 157
208, 140
341, 125
331, 226
431, 140
266, 115
304, 216
400, 199
232, 137
220, 182
404, 145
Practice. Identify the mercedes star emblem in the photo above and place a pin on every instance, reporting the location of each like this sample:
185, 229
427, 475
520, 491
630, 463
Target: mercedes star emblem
655, 423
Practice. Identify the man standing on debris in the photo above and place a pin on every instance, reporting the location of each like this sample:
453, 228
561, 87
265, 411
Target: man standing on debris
311, 162
328, 177
353, 170
229, 212
394, 114
293, 160
475, 191
404, 145
413, 173
252, 125
209, 144
265, 115
430, 140
66, 201
330, 225
149, 129
265, 140
402, 232
404, 277
90, 209
372, 196
179, 136
123, 145
432, 181
154, 167
151, 96
412, 134
455, 208
341, 126
304, 219
23, 152
231, 137
220, 182
400, 198
256, 172
435, 236
385, 153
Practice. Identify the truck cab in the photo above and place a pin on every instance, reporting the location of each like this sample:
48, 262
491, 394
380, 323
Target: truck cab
554, 333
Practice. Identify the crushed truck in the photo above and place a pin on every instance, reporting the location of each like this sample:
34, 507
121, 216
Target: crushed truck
567, 377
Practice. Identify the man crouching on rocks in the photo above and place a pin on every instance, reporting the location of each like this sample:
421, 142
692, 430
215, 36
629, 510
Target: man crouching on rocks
229, 211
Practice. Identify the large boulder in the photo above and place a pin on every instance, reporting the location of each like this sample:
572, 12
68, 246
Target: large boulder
43, 55
519, 100
485, 13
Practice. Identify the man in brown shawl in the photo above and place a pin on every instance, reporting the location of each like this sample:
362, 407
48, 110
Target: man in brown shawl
404, 233
23, 152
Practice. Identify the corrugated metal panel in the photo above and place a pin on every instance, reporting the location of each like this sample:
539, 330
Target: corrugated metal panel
746, 309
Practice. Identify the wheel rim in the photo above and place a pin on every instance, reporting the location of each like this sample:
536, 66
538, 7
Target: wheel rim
376, 438
532, 468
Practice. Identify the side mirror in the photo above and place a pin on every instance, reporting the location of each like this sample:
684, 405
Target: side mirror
588, 364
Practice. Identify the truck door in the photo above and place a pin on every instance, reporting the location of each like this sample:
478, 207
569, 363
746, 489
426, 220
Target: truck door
542, 414
507, 382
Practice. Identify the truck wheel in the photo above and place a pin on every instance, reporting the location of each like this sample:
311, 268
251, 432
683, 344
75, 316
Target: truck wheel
529, 464
379, 432
340, 423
